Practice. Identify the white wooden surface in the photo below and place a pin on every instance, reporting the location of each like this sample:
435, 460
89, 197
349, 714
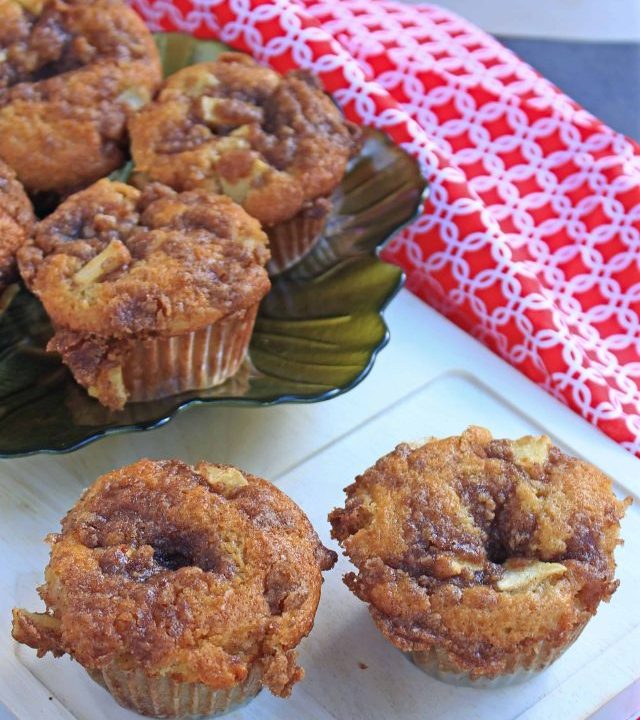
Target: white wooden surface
435, 381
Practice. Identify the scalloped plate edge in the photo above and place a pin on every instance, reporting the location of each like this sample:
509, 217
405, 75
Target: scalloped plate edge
235, 401
267, 402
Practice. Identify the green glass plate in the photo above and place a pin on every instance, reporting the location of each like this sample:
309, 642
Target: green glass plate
317, 333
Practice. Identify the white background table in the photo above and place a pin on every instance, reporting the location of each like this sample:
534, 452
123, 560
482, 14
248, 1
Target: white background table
431, 378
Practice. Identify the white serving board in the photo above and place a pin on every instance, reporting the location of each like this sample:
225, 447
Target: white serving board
431, 380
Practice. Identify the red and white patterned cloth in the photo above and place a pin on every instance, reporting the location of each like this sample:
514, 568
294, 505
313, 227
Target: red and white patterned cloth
531, 237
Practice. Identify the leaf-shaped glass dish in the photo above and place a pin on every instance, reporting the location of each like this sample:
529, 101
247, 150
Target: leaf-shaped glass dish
317, 333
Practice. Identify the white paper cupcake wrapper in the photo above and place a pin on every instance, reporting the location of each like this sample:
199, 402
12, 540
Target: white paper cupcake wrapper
291, 240
162, 697
163, 366
520, 667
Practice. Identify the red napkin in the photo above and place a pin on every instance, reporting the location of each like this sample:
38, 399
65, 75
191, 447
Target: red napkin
530, 239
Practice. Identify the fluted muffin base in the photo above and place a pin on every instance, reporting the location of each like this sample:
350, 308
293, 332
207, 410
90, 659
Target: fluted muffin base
520, 666
163, 366
291, 240
163, 697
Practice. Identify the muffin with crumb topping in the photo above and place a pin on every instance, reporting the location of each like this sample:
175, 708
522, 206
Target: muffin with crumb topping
151, 293
275, 144
16, 225
483, 558
71, 71
183, 590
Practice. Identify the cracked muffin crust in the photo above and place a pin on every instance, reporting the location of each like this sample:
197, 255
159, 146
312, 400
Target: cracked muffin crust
115, 267
70, 73
16, 224
487, 555
202, 574
275, 144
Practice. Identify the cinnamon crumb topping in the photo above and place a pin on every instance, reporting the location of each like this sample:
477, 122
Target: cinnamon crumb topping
272, 143
480, 547
174, 569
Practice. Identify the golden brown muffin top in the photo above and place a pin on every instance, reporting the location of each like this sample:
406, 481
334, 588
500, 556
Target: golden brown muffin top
70, 72
479, 546
272, 143
195, 572
16, 223
42, 39
117, 262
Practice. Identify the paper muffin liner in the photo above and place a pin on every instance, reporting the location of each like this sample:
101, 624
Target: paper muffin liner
163, 366
291, 240
520, 666
163, 697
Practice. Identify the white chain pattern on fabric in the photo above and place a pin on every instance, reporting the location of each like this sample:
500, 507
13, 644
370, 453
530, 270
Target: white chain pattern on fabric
531, 236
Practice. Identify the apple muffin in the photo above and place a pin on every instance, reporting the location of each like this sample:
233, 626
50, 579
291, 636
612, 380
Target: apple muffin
70, 73
16, 225
276, 144
151, 293
483, 558
183, 590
